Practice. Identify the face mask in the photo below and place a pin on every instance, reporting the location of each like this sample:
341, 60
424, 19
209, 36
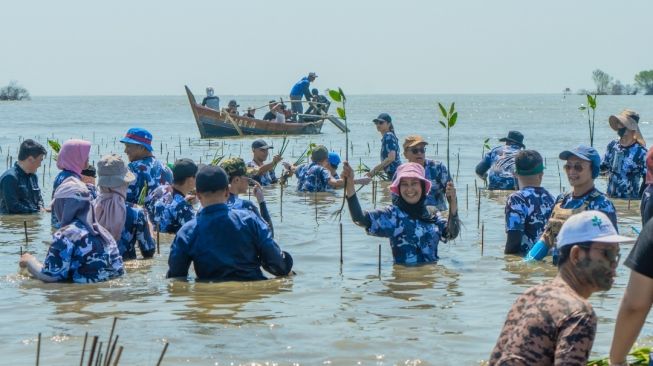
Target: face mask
622, 131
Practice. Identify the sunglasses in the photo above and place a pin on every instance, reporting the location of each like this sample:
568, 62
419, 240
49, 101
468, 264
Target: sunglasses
416, 150
577, 167
379, 122
608, 254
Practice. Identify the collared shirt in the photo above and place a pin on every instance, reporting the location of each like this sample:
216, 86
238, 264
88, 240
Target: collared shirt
500, 162
390, 142
150, 172
228, 245
315, 178
626, 165
78, 256
264, 179
596, 200
301, 88
237, 203
548, 324
136, 230
412, 241
528, 210
63, 175
439, 176
19, 192
169, 209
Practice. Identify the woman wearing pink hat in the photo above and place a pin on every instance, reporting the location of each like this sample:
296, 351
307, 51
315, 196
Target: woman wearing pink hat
414, 232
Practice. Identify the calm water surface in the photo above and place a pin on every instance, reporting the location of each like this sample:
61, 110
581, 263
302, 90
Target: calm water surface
450, 313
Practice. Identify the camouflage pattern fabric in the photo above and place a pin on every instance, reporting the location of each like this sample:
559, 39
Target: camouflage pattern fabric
136, 230
169, 209
501, 161
389, 143
625, 166
150, 172
528, 211
315, 179
439, 176
264, 179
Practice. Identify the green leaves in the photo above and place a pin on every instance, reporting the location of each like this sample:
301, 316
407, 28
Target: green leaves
55, 145
450, 116
341, 113
335, 95
591, 101
442, 110
453, 118
443, 124
486, 143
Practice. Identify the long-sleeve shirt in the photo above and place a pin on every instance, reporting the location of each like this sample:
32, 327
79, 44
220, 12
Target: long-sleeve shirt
136, 230
238, 203
626, 165
500, 162
169, 209
19, 192
227, 245
439, 176
302, 88
389, 142
150, 172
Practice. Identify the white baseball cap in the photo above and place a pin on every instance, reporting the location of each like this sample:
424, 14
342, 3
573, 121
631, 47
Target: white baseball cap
589, 226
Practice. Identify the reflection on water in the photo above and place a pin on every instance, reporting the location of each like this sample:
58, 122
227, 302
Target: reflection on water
424, 286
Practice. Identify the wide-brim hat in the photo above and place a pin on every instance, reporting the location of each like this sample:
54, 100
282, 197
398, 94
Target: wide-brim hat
112, 172
414, 140
138, 136
630, 120
515, 137
410, 170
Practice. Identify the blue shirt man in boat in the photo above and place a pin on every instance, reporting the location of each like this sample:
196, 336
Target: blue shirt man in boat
211, 100
299, 90
19, 186
500, 162
125, 221
238, 184
263, 172
582, 167
625, 157
316, 177
414, 231
415, 152
149, 172
222, 243
527, 210
82, 251
170, 205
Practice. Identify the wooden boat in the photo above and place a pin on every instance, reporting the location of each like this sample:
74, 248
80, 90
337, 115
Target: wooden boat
212, 123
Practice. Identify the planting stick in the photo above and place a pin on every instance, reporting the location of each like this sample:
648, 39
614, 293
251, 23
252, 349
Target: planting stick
482, 237
379, 260
478, 211
341, 259
38, 350
281, 202
92, 354
81, 361
165, 347
115, 363
25, 227
113, 327
467, 196
107, 362
158, 230
629, 204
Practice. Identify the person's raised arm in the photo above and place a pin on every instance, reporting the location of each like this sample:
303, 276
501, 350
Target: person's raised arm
357, 214
273, 259
392, 155
269, 166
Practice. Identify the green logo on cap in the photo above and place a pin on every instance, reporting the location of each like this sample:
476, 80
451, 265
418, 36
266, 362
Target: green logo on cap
596, 221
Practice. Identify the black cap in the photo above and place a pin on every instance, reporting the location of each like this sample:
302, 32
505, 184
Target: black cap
183, 168
515, 137
211, 179
233, 103
89, 171
261, 144
383, 117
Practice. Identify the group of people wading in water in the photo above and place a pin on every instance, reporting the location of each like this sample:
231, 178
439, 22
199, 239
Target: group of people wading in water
102, 214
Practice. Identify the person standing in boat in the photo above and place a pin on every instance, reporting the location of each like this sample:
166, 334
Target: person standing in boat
300, 90
414, 231
625, 157
390, 160
19, 185
149, 172
436, 171
264, 172
211, 100
500, 162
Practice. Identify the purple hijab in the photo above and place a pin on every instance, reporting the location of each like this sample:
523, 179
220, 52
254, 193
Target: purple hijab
73, 156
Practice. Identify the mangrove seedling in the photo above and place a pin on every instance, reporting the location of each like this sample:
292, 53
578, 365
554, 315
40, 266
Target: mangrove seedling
338, 96
450, 117
591, 105
55, 146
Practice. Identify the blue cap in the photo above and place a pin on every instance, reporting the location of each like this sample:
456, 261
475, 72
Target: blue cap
585, 153
138, 136
334, 159
383, 117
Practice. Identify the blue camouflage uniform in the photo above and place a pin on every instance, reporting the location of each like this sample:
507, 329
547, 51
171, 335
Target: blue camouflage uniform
264, 179
227, 245
63, 175
389, 142
315, 178
148, 171
528, 210
595, 200
169, 209
19, 192
136, 230
412, 241
76, 256
439, 176
300, 173
626, 166
500, 162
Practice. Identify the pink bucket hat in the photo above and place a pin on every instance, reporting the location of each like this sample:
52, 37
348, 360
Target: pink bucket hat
410, 170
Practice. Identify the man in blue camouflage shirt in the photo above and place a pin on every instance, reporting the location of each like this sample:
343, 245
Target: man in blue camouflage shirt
148, 170
625, 158
436, 171
170, 205
500, 162
316, 177
264, 172
527, 210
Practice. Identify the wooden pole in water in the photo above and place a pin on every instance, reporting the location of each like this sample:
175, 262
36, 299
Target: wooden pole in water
107, 361
165, 348
467, 196
478, 211
281, 202
379, 260
158, 230
629, 204
113, 327
482, 237
81, 361
38, 350
341, 259
99, 355
115, 363
92, 352
25, 227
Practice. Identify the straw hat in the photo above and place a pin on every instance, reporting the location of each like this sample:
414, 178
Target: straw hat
630, 120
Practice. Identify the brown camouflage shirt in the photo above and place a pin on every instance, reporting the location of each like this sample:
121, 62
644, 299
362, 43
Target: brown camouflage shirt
549, 324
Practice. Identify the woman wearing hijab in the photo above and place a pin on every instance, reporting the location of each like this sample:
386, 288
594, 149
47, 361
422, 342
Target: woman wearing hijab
82, 251
125, 221
414, 232
71, 160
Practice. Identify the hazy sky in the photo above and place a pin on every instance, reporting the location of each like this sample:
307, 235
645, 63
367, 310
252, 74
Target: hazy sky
139, 47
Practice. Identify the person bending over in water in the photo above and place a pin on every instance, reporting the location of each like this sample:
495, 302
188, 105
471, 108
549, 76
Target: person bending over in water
414, 232
82, 250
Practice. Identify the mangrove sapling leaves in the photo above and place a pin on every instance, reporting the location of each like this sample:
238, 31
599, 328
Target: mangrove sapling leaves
454, 118
335, 95
442, 124
451, 109
55, 145
443, 110
591, 101
341, 112
342, 94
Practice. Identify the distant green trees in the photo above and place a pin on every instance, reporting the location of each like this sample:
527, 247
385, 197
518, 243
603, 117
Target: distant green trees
644, 79
13, 91
606, 85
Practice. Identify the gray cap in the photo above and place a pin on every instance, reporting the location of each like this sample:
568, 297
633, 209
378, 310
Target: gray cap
112, 172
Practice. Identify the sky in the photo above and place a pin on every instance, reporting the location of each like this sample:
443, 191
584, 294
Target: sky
260, 47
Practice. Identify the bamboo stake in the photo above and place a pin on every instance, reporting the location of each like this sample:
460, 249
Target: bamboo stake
281, 202
25, 227
92, 353
107, 362
341, 258
81, 361
467, 196
379, 260
478, 211
165, 348
482, 237
113, 327
115, 363
158, 230
38, 350
629, 204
